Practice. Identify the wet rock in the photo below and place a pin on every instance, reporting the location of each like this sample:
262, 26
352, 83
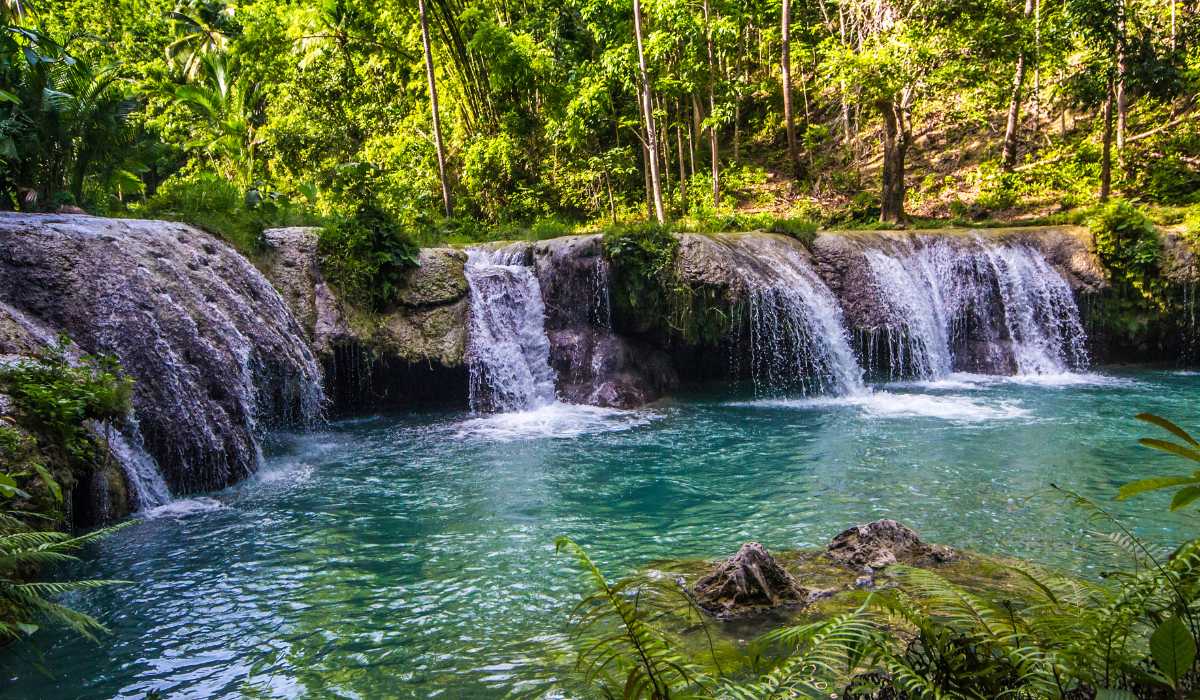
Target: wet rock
215, 352
599, 368
749, 582
882, 543
291, 264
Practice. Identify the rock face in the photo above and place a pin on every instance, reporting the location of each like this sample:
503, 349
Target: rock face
883, 543
412, 352
749, 582
215, 353
594, 365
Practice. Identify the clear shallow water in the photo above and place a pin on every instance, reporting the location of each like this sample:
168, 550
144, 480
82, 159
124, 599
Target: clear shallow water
413, 556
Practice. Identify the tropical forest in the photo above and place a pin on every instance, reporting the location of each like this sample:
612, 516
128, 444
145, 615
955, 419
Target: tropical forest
585, 349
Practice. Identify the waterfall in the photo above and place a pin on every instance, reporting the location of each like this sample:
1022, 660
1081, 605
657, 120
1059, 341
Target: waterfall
794, 330
507, 348
974, 305
145, 481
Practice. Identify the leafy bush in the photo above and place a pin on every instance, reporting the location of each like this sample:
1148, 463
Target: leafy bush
803, 230
215, 204
1159, 168
1128, 245
367, 256
55, 397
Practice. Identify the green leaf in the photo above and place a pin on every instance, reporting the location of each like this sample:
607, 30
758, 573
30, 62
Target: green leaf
27, 628
1169, 427
1163, 445
6, 96
1113, 694
1184, 497
1154, 483
1173, 649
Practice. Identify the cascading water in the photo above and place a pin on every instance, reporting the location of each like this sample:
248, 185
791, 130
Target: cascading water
794, 329
148, 488
507, 348
972, 304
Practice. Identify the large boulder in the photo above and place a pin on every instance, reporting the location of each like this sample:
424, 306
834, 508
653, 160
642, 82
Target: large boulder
215, 353
882, 543
747, 583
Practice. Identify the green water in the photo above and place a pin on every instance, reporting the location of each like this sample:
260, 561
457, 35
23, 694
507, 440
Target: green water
412, 556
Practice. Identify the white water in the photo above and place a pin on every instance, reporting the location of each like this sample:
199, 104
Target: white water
507, 348
797, 335
141, 471
1004, 298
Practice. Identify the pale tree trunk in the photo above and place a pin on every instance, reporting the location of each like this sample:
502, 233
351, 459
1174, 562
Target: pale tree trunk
1122, 100
1008, 157
683, 203
433, 106
712, 111
648, 115
1106, 152
895, 148
785, 71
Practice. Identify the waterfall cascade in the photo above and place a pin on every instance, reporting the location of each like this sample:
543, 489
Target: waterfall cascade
794, 330
145, 481
972, 305
507, 348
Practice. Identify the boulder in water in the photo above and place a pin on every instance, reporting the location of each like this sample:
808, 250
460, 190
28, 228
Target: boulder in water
749, 582
882, 543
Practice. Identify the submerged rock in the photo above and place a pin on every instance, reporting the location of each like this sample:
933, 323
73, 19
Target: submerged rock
215, 353
749, 582
882, 543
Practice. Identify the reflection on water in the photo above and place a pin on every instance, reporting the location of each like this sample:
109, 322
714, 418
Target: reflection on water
413, 556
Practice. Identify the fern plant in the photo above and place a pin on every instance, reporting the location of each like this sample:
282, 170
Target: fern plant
622, 652
25, 603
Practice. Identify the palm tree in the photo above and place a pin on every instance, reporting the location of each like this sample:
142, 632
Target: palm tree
228, 105
201, 27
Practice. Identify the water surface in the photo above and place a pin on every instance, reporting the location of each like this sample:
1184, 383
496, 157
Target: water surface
412, 556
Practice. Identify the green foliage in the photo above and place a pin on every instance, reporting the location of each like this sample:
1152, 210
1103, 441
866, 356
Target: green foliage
623, 653
27, 602
1127, 243
1188, 449
55, 397
366, 256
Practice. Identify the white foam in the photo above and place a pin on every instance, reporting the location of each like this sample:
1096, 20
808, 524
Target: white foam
181, 508
884, 404
1067, 379
557, 420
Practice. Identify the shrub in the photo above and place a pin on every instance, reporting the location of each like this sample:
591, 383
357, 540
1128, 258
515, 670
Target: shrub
1128, 245
366, 255
55, 398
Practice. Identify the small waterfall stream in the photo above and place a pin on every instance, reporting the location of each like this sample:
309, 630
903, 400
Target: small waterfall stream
507, 348
145, 481
973, 305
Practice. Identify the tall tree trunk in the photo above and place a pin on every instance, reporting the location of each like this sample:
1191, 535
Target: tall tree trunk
433, 106
712, 110
895, 148
1008, 157
1106, 152
1122, 100
785, 72
683, 203
648, 115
